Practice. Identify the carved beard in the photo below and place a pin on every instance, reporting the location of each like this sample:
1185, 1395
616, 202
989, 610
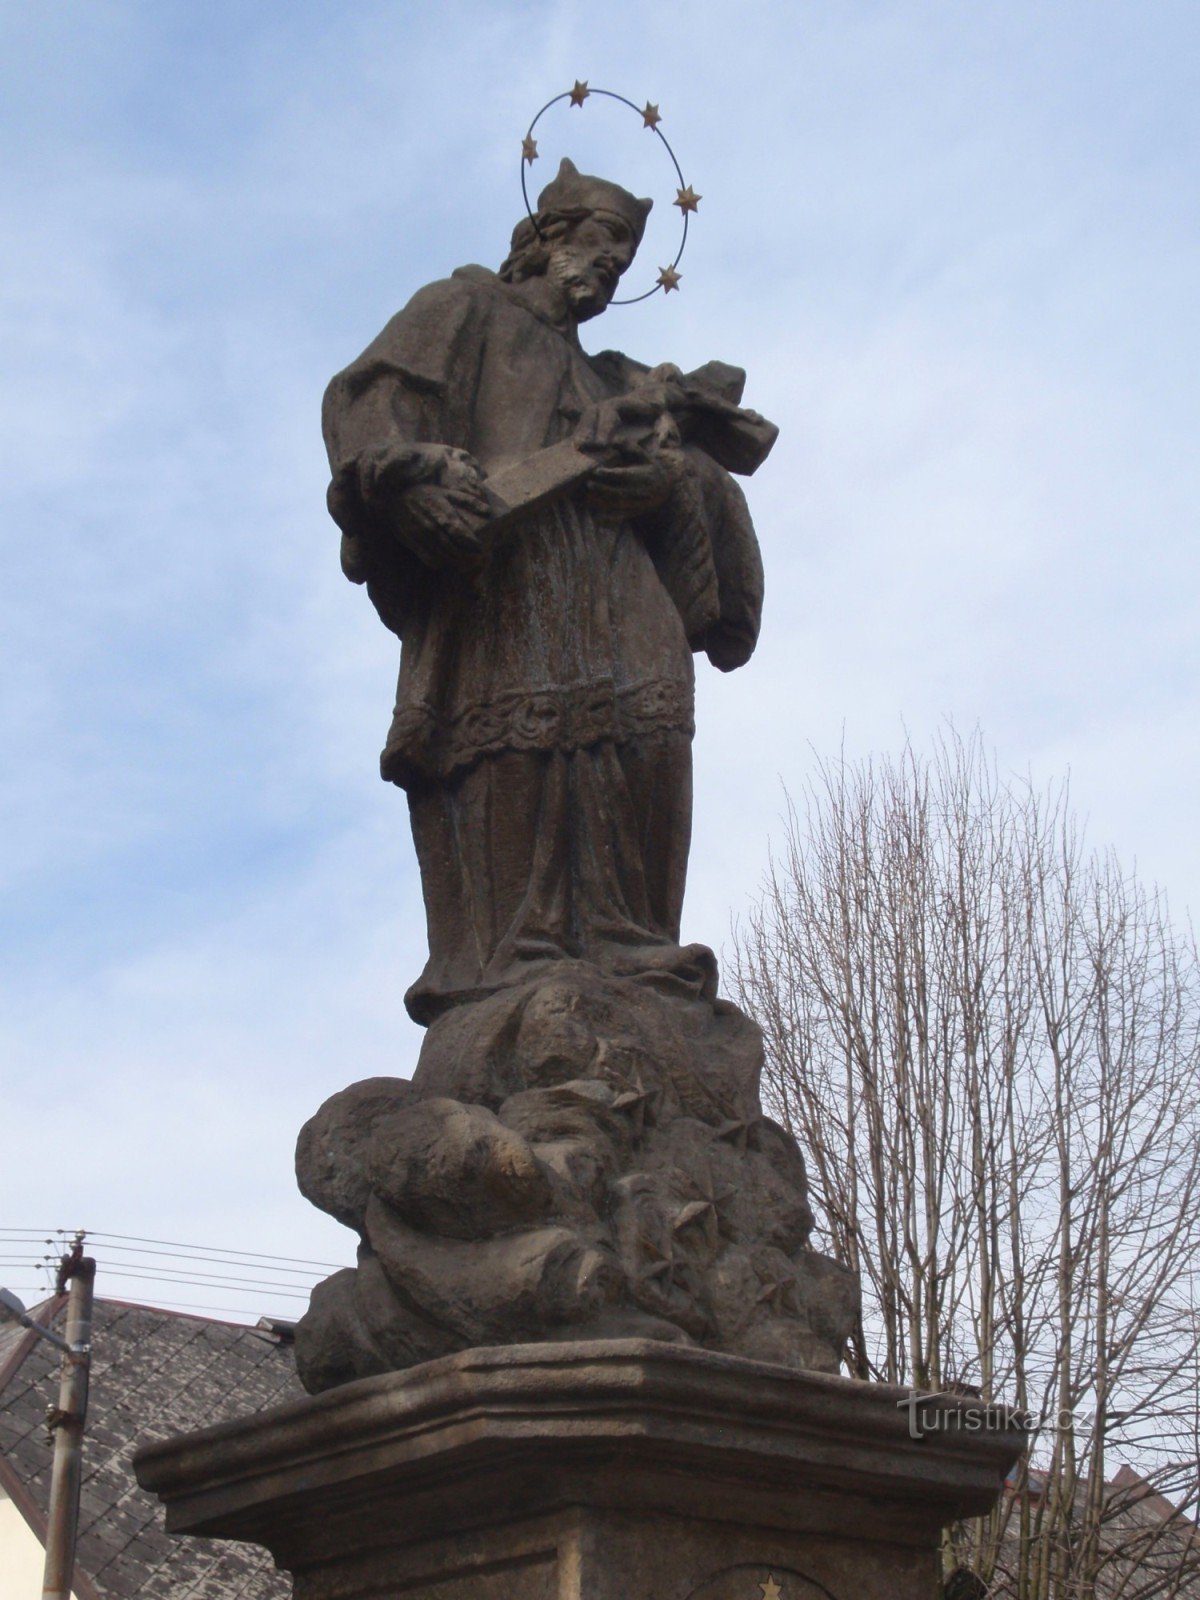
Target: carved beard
587, 285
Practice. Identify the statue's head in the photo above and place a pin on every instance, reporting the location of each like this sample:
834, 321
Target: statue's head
585, 234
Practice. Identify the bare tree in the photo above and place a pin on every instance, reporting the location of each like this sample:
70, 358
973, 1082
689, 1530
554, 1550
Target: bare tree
987, 1040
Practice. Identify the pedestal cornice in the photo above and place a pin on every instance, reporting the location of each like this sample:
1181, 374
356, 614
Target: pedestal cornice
486, 1436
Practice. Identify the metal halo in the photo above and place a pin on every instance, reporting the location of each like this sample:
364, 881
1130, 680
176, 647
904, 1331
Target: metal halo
654, 127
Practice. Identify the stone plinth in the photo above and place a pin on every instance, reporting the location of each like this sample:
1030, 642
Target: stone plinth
578, 1156
610, 1470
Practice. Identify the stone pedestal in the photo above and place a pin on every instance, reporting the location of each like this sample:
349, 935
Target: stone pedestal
610, 1470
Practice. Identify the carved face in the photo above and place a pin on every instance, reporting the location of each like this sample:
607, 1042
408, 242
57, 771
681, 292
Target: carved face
587, 262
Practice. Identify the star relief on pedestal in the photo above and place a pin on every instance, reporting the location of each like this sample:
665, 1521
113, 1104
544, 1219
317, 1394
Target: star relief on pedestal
638, 1103
778, 1294
739, 1132
668, 279
707, 1213
658, 1260
687, 199
770, 1589
579, 93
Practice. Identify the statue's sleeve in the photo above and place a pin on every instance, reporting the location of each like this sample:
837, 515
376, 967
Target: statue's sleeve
730, 637
380, 416
705, 550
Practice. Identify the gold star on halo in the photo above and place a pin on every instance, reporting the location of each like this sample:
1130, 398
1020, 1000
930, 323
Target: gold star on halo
770, 1589
668, 279
529, 149
687, 199
580, 92
650, 117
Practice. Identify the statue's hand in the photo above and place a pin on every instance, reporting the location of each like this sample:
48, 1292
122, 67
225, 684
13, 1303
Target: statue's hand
622, 419
641, 469
636, 482
639, 446
440, 519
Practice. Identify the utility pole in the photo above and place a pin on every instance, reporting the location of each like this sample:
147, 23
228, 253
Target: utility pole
66, 1422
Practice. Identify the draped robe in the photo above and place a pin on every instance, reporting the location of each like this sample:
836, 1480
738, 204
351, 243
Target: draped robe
544, 709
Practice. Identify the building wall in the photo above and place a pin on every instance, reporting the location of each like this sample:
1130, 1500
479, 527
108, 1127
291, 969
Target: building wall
21, 1555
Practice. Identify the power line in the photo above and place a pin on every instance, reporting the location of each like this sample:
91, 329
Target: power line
129, 1261
178, 1255
118, 1269
190, 1305
265, 1275
209, 1281
41, 1236
197, 1307
296, 1261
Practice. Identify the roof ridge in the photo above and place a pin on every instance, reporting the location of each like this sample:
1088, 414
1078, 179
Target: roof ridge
168, 1311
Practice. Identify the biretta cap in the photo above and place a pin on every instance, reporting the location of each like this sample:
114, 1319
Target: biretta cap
575, 191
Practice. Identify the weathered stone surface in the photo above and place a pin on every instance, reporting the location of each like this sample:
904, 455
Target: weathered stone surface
602, 1471
553, 536
331, 1165
578, 1156
581, 1159
455, 1169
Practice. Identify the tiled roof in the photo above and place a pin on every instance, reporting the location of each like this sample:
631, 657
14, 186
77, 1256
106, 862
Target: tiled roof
154, 1373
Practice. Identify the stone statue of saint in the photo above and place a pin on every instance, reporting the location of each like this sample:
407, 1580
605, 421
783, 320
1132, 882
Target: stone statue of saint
581, 1151
544, 712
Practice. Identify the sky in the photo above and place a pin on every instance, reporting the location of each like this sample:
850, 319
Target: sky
956, 247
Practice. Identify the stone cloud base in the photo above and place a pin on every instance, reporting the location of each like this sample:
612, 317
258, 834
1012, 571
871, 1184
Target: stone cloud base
610, 1470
